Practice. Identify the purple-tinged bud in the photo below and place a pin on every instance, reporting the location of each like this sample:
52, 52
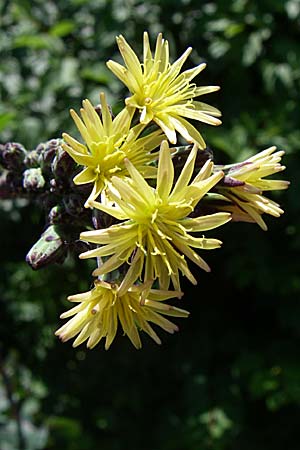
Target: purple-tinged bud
48, 152
62, 165
50, 248
56, 215
237, 166
32, 159
33, 179
12, 156
230, 182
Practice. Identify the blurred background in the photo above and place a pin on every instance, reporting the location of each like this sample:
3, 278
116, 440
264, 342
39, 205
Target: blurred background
230, 379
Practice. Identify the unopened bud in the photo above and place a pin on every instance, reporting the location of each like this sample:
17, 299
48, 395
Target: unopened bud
12, 156
230, 182
62, 165
50, 248
32, 159
33, 179
56, 214
48, 152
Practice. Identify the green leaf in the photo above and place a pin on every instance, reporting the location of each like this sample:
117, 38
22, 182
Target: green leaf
62, 28
36, 42
6, 119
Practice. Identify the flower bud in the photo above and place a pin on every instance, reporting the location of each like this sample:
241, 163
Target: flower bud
32, 158
12, 156
48, 151
56, 214
50, 248
62, 165
33, 179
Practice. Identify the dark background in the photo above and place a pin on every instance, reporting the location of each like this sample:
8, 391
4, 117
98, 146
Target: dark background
230, 379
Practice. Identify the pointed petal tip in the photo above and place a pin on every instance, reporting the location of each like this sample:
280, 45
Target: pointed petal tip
88, 204
62, 337
95, 272
73, 112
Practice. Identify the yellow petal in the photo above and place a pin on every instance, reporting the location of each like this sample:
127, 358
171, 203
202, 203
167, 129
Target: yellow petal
165, 173
87, 175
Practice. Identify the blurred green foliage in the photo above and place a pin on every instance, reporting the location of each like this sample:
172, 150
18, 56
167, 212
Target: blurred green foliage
231, 378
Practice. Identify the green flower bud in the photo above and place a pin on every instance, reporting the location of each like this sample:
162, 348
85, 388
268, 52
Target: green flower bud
50, 248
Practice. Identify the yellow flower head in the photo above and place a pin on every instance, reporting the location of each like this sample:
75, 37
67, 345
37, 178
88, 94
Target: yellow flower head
161, 93
108, 142
100, 310
154, 237
248, 202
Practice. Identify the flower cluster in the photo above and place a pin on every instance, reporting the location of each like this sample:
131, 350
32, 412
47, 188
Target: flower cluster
160, 93
154, 195
108, 143
100, 309
244, 196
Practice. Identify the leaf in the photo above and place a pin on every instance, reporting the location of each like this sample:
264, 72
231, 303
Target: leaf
62, 28
36, 42
6, 118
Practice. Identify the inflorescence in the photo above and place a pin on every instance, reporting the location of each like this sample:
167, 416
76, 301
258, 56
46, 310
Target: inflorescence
144, 205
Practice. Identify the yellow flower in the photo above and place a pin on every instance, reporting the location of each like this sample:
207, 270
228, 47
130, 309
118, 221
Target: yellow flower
161, 93
108, 142
248, 203
154, 235
100, 310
